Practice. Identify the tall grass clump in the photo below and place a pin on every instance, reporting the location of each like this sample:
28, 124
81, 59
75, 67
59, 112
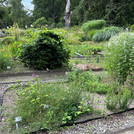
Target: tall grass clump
93, 24
119, 56
106, 33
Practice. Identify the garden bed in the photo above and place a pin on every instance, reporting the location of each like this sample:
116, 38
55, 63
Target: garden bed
10, 98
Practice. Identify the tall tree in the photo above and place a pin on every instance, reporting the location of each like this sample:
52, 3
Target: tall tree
120, 12
17, 11
68, 15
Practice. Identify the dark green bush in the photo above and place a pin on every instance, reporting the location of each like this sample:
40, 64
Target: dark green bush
46, 51
94, 24
105, 34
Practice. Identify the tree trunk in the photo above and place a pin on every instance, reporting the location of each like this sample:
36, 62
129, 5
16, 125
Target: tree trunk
68, 15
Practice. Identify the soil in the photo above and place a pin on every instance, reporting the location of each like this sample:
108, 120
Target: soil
87, 67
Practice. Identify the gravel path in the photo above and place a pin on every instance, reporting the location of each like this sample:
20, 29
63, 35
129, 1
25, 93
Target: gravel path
3, 88
107, 125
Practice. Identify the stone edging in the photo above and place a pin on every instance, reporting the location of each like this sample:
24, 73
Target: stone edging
6, 74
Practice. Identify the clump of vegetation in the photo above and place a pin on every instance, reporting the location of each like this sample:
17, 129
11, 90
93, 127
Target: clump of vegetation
8, 40
50, 104
89, 82
92, 33
48, 50
5, 59
119, 100
40, 22
93, 24
119, 56
105, 34
85, 48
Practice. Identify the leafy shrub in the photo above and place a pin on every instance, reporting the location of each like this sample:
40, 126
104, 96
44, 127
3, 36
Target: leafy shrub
93, 24
119, 101
15, 31
47, 51
5, 59
8, 40
40, 22
119, 56
105, 34
48, 105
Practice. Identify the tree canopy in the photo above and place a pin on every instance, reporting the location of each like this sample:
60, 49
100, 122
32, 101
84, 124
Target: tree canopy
115, 12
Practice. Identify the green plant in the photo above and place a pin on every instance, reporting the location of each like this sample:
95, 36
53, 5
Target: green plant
85, 48
92, 33
119, 55
132, 27
8, 40
119, 100
40, 22
48, 50
89, 82
5, 60
105, 34
93, 24
47, 105
5, 31
15, 31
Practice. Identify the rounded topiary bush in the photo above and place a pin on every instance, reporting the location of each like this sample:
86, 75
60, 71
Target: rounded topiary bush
106, 33
47, 51
93, 24
119, 56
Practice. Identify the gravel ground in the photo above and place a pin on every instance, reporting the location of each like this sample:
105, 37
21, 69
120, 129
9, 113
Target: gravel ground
107, 125
3, 88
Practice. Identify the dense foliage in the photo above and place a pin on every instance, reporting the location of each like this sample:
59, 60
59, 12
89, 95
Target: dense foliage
105, 34
118, 13
40, 22
50, 104
120, 56
47, 51
94, 24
